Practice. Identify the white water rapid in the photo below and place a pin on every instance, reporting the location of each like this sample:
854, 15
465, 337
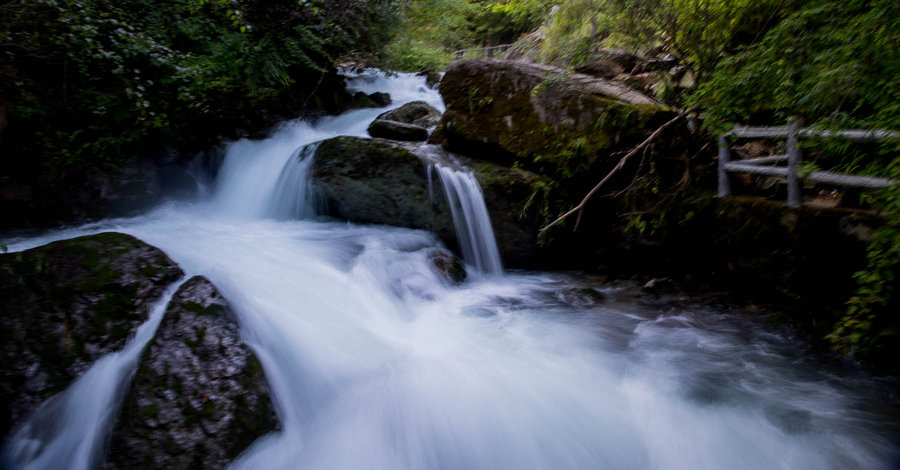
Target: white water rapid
376, 363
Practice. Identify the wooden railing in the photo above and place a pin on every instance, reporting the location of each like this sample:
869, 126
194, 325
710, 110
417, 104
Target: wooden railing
794, 156
486, 52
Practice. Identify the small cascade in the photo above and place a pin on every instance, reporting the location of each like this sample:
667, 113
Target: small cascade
471, 220
470, 216
293, 197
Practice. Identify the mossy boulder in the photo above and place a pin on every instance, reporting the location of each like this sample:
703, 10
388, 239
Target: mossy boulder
381, 182
417, 113
395, 130
64, 305
200, 397
552, 121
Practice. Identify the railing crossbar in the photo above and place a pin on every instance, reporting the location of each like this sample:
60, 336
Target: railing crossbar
793, 133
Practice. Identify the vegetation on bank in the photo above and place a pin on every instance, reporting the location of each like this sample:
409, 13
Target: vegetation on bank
431, 31
92, 82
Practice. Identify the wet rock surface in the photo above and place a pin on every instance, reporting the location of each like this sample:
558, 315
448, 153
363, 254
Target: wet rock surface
448, 266
199, 397
372, 100
395, 130
65, 304
515, 200
417, 113
381, 182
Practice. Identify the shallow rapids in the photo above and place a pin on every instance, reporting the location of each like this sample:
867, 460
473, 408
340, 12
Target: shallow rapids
375, 362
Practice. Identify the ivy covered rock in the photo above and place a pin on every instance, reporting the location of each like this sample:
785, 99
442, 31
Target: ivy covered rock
546, 119
200, 396
64, 305
381, 182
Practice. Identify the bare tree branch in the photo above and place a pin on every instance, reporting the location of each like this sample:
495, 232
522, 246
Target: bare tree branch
579, 209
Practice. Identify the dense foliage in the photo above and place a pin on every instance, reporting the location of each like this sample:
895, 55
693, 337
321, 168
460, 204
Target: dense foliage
97, 81
431, 31
700, 33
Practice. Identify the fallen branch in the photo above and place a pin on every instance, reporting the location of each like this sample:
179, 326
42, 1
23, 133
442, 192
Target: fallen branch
580, 207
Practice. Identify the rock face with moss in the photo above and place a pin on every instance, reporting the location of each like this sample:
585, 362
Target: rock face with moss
64, 305
548, 120
381, 182
396, 130
417, 113
516, 201
199, 397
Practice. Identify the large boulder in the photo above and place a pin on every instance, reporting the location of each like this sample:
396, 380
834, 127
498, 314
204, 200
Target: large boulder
545, 119
64, 305
377, 181
199, 397
381, 182
417, 113
394, 130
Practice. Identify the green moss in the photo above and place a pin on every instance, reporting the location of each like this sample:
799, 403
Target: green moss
149, 412
193, 344
213, 309
192, 415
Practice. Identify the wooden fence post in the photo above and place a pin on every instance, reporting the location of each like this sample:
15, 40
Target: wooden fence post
724, 158
794, 196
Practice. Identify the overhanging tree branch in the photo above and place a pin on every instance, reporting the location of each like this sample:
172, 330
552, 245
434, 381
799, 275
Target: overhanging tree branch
579, 209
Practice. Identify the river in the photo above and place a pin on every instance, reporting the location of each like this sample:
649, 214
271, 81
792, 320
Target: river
375, 362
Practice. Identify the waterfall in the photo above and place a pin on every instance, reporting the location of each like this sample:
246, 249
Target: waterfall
293, 197
471, 219
375, 362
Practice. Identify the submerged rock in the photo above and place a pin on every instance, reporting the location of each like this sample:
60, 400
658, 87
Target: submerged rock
394, 130
377, 181
447, 265
372, 100
199, 397
431, 78
417, 113
64, 305
545, 118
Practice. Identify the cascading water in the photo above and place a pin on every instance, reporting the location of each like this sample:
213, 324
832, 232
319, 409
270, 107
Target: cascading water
375, 363
471, 220
470, 215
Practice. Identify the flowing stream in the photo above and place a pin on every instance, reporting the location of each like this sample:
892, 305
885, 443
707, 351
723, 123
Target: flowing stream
377, 363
